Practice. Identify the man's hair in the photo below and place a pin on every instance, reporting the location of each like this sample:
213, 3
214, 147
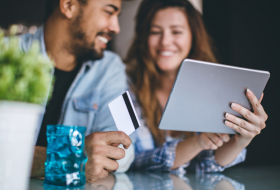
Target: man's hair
52, 5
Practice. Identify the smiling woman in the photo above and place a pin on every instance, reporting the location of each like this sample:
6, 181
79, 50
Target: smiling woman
167, 32
170, 39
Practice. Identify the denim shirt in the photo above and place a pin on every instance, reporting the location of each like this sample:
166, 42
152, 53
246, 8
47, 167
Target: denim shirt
96, 84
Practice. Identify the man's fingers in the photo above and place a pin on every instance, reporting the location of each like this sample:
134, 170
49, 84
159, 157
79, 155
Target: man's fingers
117, 137
99, 166
109, 138
115, 153
111, 165
95, 168
92, 177
115, 144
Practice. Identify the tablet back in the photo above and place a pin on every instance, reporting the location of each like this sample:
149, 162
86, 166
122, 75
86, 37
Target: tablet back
203, 92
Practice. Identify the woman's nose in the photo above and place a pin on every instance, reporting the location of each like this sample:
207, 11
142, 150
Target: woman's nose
166, 39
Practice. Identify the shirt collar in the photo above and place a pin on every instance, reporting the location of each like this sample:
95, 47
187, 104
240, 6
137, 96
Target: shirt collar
39, 35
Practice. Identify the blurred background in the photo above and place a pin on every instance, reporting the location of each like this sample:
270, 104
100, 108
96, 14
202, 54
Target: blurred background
246, 33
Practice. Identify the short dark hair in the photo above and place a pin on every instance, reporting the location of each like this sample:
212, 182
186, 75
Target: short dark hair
52, 5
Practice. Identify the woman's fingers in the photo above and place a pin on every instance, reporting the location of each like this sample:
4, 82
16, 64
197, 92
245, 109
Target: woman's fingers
215, 139
261, 98
252, 118
255, 121
243, 132
205, 142
243, 124
257, 107
212, 140
224, 137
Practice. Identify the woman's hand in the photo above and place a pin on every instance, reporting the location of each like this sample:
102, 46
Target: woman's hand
190, 147
211, 140
255, 121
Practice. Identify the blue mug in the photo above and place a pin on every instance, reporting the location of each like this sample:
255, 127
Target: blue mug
66, 156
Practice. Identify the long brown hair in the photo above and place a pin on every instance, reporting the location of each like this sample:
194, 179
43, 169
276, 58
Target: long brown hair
142, 71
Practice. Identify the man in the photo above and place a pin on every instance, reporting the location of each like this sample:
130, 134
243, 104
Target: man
87, 78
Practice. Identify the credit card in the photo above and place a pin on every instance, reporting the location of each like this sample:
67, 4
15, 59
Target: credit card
124, 113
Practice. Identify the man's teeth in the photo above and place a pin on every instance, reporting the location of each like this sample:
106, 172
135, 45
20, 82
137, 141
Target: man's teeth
166, 53
103, 39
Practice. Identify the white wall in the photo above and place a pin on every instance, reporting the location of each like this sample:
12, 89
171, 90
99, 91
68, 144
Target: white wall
123, 40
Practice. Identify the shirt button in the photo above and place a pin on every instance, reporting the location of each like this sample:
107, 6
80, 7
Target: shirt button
95, 106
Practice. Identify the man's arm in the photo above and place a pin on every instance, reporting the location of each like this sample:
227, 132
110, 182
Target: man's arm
38, 165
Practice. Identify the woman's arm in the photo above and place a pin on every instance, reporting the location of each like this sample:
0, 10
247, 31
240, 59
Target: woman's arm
176, 154
186, 150
189, 148
247, 129
227, 153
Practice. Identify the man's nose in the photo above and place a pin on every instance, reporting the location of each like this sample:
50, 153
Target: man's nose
114, 25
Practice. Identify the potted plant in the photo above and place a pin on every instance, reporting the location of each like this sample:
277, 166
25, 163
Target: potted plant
25, 79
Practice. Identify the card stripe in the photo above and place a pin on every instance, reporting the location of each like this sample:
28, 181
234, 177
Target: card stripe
130, 111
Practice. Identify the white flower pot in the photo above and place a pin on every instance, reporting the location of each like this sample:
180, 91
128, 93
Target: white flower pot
19, 125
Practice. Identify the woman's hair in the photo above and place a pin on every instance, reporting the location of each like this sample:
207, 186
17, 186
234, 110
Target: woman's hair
142, 71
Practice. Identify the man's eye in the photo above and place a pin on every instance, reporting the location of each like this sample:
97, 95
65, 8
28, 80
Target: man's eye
109, 12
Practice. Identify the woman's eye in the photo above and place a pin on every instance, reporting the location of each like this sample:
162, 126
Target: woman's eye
177, 32
154, 32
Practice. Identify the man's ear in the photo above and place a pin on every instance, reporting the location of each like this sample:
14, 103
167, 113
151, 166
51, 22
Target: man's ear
68, 8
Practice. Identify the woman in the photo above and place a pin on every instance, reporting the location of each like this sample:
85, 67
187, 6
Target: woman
167, 31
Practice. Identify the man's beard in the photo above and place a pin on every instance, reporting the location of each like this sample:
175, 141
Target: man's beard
79, 45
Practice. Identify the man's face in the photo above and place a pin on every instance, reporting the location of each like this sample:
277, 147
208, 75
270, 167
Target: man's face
93, 27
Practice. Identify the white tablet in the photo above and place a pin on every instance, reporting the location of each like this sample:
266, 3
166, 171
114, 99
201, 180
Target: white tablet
202, 94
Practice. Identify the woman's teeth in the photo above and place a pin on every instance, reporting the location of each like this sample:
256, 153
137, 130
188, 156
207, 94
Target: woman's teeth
166, 53
103, 39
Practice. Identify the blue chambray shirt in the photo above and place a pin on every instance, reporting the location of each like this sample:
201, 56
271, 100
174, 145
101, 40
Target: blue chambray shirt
96, 84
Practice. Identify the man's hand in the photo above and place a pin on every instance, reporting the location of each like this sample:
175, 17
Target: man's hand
103, 152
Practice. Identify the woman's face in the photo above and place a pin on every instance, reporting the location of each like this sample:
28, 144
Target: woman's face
170, 39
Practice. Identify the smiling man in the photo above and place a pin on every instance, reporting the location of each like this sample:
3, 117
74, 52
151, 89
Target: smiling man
87, 78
